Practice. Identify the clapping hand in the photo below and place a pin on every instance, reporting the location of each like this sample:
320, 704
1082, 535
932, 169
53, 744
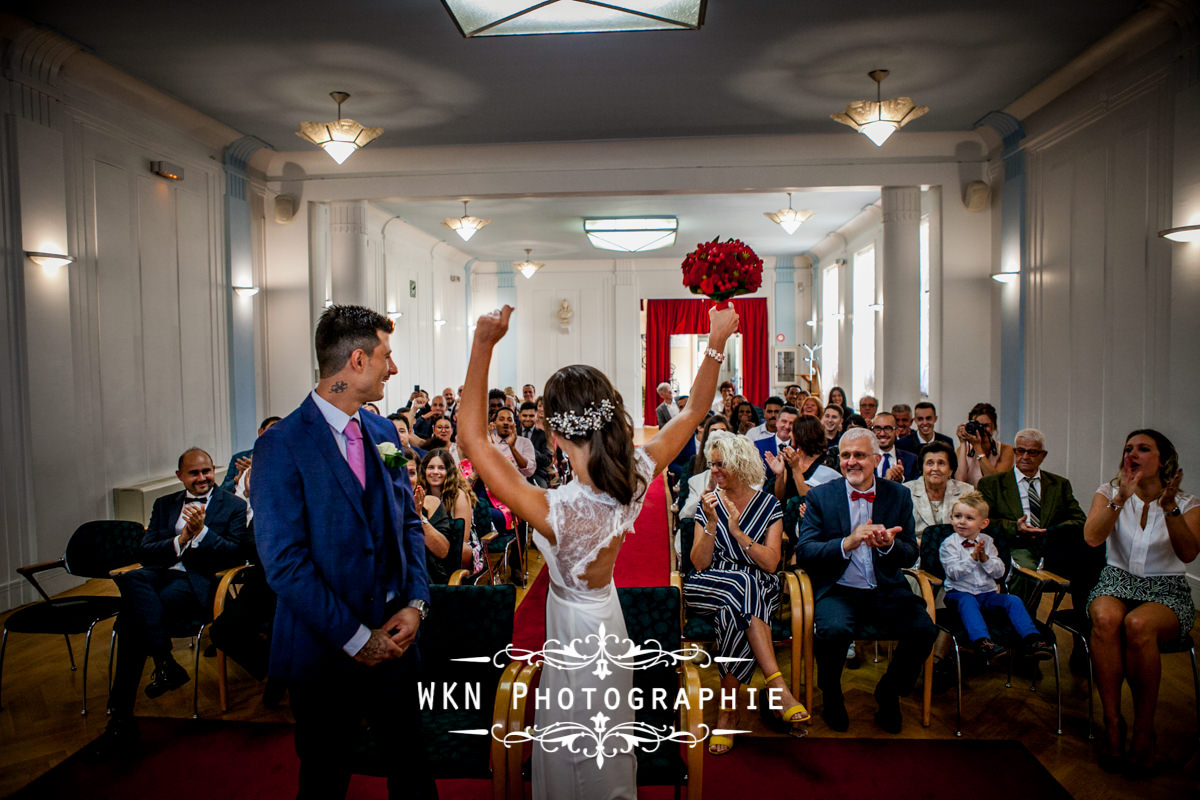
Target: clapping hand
775, 462
1171, 489
1024, 527
895, 472
242, 464
709, 501
980, 551
194, 514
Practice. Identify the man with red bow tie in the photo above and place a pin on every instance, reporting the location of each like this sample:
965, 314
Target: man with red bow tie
855, 538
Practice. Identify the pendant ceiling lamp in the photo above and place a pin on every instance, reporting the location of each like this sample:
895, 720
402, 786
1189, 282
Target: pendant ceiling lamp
466, 226
878, 119
527, 267
341, 138
789, 218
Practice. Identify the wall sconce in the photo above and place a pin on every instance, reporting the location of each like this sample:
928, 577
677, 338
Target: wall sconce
395, 314
439, 322
1006, 277
564, 314
49, 262
165, 169
875, 306
1186, 233
246, 291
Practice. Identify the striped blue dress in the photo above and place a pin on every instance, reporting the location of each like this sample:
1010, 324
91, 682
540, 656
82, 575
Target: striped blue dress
734, 589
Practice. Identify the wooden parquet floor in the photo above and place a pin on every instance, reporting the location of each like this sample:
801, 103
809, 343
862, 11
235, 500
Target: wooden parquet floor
41, 725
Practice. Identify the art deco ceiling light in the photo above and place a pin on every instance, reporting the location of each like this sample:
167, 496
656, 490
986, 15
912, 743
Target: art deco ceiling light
1186, 233
528, 17
789, 218
878, 119
466, 225
631, 234
527, 267
341, 138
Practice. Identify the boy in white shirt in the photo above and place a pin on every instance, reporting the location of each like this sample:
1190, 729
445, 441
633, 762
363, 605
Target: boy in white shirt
972, 564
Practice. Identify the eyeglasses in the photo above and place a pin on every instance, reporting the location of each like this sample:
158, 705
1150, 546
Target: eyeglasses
1025, 451
882, 428
717, 464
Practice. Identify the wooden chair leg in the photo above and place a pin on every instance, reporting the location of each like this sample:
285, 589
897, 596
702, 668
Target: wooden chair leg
222, 681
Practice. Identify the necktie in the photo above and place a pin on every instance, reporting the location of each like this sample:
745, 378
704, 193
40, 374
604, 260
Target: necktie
868, 496
354, 452
887, 462
191, 499
1035, 505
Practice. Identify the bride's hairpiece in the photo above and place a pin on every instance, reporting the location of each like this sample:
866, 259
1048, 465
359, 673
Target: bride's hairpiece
571, 423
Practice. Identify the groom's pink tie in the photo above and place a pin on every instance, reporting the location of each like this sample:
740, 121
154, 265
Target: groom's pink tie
354, 452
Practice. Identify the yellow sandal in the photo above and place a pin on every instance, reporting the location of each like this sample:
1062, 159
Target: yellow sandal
787, 716
720, 741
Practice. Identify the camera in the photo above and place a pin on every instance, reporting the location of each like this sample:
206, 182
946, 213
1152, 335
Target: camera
974, 428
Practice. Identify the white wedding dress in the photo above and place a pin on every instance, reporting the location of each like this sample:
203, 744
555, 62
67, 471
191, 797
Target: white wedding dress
584, 522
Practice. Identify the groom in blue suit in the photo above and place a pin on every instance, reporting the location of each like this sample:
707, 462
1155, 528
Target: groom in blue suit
855, 538
343, 547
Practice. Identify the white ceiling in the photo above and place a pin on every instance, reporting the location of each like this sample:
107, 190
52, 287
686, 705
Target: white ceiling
756, 67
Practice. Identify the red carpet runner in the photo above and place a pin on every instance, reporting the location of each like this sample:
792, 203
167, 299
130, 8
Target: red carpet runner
644, 560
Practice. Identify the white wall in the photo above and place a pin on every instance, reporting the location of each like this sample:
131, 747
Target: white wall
122, 361
1111, 331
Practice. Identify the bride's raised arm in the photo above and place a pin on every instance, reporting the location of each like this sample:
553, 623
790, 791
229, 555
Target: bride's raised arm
502, 478
667, 443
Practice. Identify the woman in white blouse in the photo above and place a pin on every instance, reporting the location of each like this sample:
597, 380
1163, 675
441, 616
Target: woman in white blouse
935, 492
1142, 600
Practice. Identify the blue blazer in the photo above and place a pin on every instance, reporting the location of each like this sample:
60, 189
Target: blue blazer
765, 446
320, 554
909, 461
827, 521
913, 445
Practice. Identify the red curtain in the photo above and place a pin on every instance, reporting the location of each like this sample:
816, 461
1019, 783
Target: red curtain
667, 317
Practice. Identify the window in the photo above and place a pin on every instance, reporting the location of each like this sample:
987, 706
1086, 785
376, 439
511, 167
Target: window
831, 320
862, 337
923, 246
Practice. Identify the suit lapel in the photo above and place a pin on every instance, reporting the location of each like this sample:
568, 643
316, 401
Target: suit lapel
372, 451
1050, 492
1011, 496
322, 436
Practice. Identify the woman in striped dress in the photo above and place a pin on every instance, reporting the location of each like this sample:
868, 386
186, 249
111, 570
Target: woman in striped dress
736, 551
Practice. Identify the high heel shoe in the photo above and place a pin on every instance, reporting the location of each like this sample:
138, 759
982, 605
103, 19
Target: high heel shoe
1113, 762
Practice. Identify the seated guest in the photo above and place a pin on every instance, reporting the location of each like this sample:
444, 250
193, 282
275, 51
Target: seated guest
855, 538
837, 396
973, 565
240, 462
496, 401
736, 551
924, 420
793, 395
193, 534
896, 465
783, 434
867, 406
423, 423
451, 400
528, 393
811, 407
723, 405
1142, 600
934, 493
978, 453
695, 481
440, 436
903, 414
766, 428
831, 423
681, 401
528, 429
443, 496
798, 466
667, 408
1026, 502
745, 417
402, 430
503, 435
374, 409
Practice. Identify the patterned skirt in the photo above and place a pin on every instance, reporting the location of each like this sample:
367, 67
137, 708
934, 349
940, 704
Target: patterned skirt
1170, 590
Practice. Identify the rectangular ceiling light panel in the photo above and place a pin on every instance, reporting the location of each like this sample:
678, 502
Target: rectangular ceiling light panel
631, 234
526, 17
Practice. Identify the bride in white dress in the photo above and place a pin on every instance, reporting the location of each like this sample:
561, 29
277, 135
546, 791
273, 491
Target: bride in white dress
579, 529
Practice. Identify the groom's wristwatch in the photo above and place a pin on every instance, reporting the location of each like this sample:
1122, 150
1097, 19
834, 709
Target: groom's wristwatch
421, 606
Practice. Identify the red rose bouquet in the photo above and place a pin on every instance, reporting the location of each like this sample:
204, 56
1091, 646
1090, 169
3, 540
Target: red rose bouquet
722, 270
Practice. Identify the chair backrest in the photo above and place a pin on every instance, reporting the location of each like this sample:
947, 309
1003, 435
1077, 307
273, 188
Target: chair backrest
931, 543
100, 546
652, 613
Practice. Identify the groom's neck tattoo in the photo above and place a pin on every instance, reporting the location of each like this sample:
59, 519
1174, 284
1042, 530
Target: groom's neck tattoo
338, 387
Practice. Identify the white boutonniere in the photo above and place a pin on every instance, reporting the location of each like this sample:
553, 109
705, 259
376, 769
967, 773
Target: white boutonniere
391, 455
